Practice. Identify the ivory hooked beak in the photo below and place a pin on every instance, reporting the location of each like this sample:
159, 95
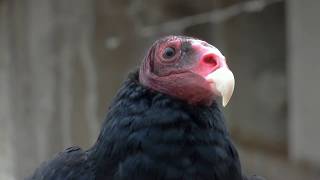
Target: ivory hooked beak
222, 83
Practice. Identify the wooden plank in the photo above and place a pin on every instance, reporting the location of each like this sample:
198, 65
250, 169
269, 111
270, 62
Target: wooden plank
303, 65
6, 164
50, 60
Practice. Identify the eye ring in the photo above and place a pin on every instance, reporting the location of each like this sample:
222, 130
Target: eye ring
168, 53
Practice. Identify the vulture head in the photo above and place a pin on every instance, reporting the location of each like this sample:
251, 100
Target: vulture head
188, 69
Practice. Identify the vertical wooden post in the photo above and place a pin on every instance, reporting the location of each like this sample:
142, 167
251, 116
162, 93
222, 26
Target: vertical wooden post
49, 78
304, 72
5, 98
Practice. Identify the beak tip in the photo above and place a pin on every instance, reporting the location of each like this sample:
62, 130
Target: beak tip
224, 103
223, 84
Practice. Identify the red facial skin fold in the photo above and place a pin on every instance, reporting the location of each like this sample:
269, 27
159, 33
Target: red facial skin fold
182, 75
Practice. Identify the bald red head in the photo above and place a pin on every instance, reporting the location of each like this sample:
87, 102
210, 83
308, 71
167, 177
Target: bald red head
179, 66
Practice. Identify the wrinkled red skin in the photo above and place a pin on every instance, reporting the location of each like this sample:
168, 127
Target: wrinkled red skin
182, 76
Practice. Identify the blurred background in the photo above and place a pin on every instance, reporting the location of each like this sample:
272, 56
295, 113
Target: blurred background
62, 61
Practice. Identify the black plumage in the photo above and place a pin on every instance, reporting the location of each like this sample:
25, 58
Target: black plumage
149, 135
163, 124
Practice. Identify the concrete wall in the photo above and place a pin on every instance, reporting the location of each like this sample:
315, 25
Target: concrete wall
304, 82
6, 164
47, 94
255, 46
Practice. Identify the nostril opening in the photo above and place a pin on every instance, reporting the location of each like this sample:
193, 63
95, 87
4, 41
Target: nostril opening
210, 59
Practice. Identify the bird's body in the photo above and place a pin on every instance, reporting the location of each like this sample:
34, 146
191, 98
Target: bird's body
149, 135
154, 135
71, 164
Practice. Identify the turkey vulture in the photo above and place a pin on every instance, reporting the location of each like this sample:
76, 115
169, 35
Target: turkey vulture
164, 123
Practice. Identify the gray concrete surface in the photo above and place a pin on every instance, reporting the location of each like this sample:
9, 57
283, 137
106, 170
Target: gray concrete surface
304, 82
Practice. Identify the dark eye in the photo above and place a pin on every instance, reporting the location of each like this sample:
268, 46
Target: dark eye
169, 52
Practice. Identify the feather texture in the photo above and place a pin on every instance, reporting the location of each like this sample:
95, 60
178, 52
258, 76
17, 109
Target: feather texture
149, 135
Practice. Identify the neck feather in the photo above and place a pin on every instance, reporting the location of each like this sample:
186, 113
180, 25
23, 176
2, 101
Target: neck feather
138, 112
